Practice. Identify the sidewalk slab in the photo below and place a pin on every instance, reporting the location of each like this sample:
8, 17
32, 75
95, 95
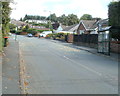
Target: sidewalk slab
10, 69
113, 56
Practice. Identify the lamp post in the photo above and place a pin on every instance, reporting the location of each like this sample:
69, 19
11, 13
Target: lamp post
49, 18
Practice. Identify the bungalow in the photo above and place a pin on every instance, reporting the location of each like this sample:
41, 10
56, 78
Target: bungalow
87, 27
19, 24
59, 28
102, 24
38, 21
71, 29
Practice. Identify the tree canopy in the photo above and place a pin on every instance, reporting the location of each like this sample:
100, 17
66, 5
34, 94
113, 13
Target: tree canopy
114, 13
5, 18
114, 19
86, 17
33, 17
65, 20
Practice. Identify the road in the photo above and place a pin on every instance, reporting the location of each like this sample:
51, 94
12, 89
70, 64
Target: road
53, 67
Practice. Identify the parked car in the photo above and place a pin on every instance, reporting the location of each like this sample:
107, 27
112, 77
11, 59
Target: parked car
29, 35
45, 33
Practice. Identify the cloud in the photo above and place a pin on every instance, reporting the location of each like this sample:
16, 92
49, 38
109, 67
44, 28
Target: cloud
97, 8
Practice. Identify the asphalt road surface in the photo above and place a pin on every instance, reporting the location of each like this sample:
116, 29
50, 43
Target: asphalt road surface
53, 67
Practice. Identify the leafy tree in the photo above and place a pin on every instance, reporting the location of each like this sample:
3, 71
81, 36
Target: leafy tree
63, 19
72, 19
52, 17
26, 17
26, 28
32, 17
86, 17
5, 18
114, 19
12, 28
21, 19
114, 13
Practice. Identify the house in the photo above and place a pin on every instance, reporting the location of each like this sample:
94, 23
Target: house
71, 29
55, 25
38, 21
19, 24
87, 27
60, 28
102, 24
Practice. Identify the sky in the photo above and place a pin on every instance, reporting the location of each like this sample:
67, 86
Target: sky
96, 8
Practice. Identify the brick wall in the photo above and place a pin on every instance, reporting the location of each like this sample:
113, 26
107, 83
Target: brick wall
115, 47
70, 38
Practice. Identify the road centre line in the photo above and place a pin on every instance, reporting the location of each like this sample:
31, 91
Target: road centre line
87, 68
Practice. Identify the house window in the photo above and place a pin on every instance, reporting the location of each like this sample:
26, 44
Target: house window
81, 31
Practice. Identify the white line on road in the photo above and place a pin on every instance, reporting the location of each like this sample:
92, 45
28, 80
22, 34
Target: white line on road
98, 73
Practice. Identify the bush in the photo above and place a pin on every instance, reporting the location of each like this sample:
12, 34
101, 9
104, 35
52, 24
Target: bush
18, 32
60, 36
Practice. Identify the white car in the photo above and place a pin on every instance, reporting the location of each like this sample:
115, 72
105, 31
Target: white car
29, 35
45, 33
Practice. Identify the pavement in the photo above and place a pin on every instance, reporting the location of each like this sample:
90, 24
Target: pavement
10, 69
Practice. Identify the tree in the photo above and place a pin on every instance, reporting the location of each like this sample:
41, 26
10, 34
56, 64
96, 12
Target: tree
5, 18
21, 19
26, 17
12, 28
33, 17
86, 17
72, 19
63, 19
52, 17
26, 28
114, 19
114, 13
68, 20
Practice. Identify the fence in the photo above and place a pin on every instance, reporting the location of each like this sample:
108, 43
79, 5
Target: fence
89, 40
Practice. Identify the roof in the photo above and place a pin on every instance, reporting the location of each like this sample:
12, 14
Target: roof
55, 25
71, 28
18, 23
89, 24
103, 22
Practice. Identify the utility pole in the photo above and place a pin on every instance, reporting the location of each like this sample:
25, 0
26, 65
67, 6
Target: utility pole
0, 26
49, 18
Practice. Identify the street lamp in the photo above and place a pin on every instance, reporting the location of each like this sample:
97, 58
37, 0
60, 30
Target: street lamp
49, 18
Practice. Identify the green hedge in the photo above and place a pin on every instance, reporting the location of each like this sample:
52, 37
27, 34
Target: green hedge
60, 36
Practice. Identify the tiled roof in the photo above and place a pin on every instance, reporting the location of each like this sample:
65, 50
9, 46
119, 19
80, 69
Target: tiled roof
18, 23
103, 22
71, 28
89, 24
